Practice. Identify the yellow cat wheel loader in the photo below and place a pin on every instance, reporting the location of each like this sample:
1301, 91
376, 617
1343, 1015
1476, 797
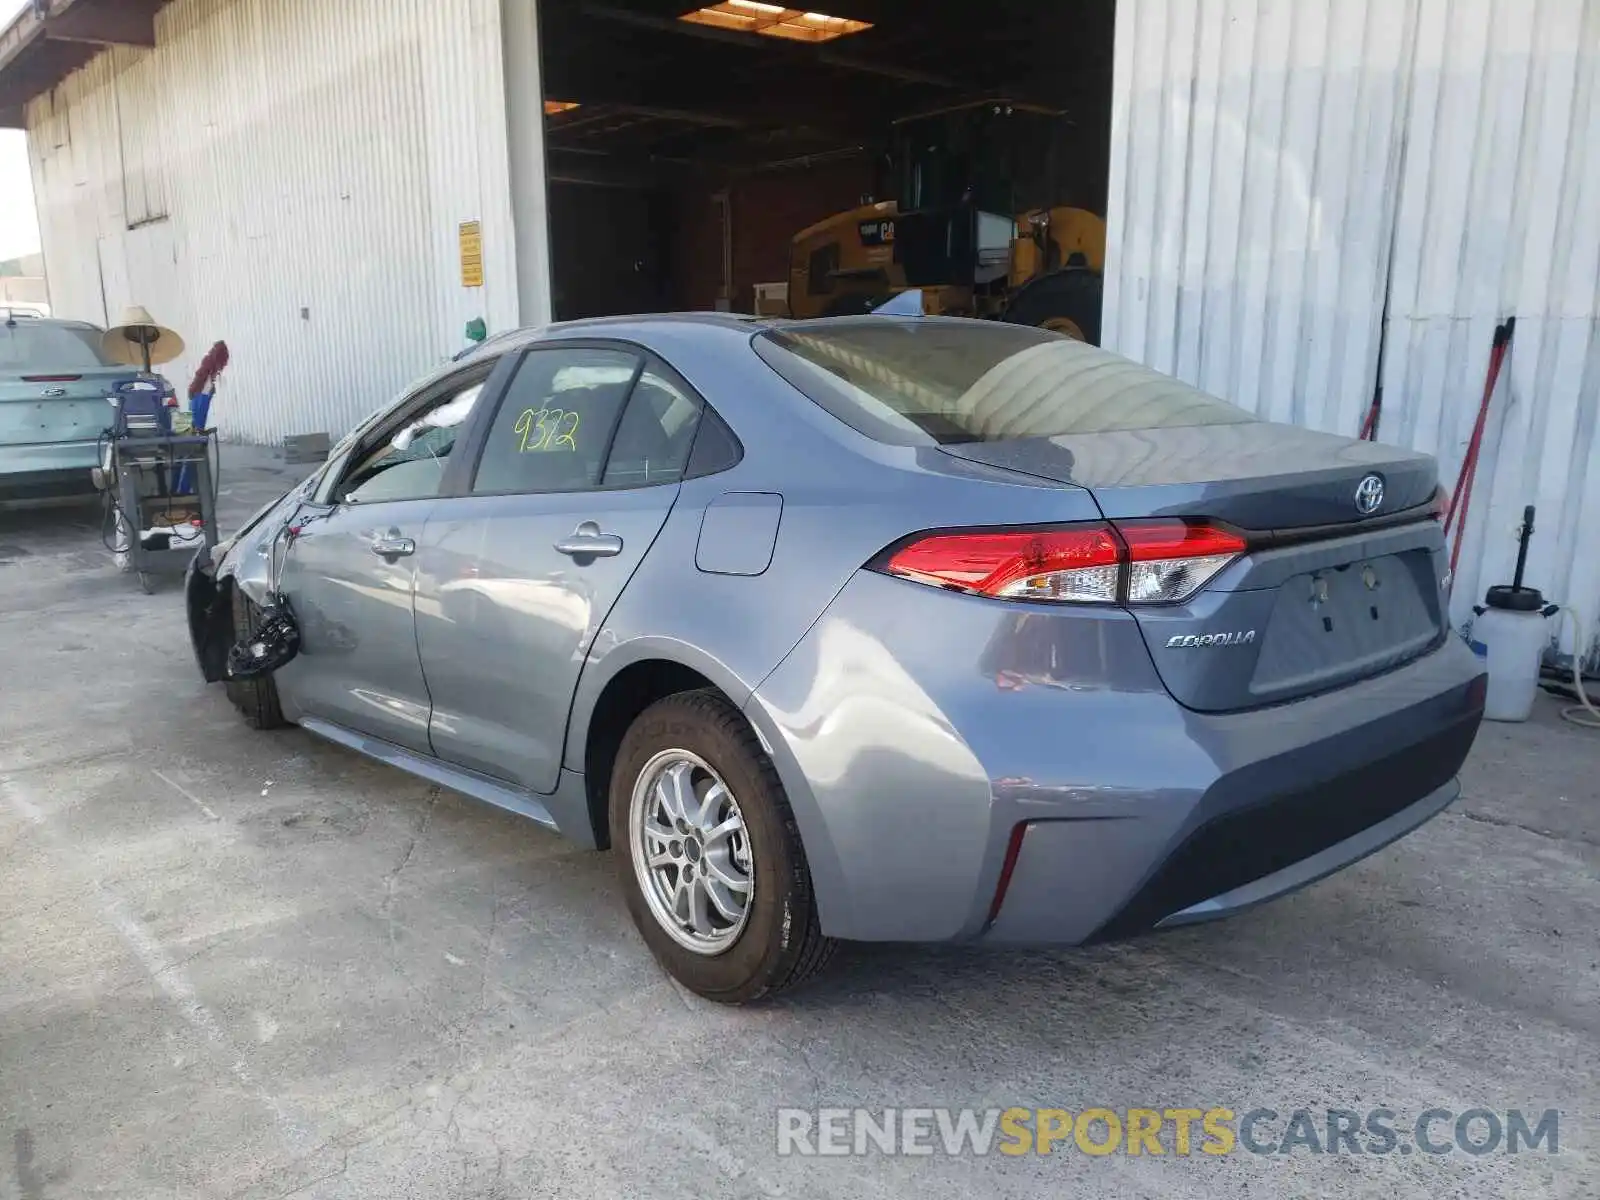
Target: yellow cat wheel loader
961, 229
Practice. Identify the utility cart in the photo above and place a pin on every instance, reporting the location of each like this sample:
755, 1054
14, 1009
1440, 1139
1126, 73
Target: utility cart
156, 526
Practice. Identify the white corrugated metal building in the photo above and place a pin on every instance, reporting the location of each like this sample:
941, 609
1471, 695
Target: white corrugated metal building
291, 175
1296, 184
1302, 195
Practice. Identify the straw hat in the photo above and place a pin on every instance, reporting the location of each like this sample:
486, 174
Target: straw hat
122, 342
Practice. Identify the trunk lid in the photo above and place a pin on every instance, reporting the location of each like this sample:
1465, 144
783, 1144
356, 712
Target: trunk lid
53, 384
1251, 474
50, 411
1327, 594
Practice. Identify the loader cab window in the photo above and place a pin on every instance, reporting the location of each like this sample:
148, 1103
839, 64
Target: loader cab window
997, 157
820, 269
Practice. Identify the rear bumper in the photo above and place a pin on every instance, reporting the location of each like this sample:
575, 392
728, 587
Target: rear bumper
48, 469
919, 732
1243, 845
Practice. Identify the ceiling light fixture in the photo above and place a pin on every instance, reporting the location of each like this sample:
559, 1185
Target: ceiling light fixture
772, 20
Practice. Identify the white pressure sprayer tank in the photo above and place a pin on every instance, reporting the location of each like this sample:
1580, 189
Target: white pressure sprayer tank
1512, 628
1511, 632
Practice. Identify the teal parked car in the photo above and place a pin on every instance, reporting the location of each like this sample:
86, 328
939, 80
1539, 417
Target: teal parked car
53, 385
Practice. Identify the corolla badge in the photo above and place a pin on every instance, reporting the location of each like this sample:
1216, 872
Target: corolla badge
1369, 495
1236, 637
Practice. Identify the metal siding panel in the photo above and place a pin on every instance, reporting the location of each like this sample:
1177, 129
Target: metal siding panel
311, 156
1268, 155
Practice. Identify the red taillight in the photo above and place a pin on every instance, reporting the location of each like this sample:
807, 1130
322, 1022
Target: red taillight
1142, 562
1077, 563
1172, 560
1151, 540
51, 378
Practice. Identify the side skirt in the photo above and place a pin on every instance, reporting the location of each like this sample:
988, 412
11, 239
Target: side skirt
479, 787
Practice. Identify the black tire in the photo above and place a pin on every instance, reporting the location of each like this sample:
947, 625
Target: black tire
782, 944
1074, 295
256, 699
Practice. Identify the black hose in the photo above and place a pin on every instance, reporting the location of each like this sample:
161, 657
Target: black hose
111, 503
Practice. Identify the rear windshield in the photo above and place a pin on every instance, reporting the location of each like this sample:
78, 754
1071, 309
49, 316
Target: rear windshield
922, 381
47, 347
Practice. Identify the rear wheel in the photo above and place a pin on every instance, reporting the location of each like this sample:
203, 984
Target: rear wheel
256, 699
1065, 301
711, 862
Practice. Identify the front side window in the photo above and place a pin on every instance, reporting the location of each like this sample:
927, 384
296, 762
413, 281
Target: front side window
410, 460
556, 421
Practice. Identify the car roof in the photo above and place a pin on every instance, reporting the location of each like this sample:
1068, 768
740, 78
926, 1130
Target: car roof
640, 326
24, 315
720, 320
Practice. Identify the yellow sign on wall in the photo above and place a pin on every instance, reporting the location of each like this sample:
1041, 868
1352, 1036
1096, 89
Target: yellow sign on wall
471, 254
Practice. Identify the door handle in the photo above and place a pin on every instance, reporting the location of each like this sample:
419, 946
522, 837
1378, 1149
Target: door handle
586, 541
391, 545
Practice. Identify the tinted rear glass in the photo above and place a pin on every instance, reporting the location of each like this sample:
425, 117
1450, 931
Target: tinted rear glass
914, 381
48, 347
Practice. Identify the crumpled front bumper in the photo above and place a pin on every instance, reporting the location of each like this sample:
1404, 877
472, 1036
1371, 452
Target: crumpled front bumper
210, 623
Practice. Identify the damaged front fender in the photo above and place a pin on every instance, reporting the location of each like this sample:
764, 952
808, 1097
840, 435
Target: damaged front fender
249, 562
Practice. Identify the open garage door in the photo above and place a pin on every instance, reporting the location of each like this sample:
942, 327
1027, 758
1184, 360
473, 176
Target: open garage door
750, 157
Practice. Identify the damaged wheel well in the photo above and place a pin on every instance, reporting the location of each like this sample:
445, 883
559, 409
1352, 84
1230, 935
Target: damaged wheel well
634, 689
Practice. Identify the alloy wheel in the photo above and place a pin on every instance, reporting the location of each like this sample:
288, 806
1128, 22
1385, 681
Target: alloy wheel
691, 851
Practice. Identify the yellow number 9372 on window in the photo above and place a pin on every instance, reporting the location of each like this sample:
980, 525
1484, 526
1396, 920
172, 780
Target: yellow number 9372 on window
546, 429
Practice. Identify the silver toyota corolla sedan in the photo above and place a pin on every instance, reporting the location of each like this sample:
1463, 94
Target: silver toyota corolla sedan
868, 628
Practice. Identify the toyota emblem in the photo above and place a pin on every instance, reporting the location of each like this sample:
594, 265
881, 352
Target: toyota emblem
1369, 495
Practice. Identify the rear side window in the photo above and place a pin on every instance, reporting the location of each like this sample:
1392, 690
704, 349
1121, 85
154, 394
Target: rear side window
30, 345
657, 432
556, 421
922, 381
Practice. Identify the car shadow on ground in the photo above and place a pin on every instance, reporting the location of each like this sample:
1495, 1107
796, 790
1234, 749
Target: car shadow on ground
37, 529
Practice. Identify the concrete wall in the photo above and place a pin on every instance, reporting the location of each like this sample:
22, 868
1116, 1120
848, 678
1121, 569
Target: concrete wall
290, 176
1309, 195
22, 283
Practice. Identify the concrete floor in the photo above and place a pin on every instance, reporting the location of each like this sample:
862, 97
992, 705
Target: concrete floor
235, 964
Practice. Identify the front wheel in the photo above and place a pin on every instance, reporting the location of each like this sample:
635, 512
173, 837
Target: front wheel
1067, 302
256, 699
711, 862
